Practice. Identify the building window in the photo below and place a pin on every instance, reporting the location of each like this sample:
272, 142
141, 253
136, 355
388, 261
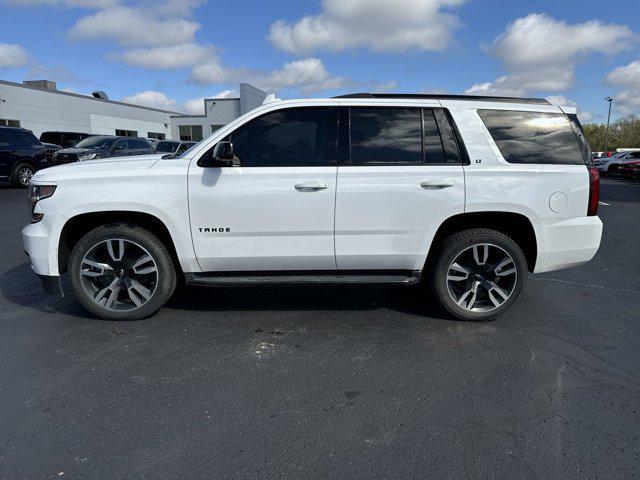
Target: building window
216, 127
126, 133
9, 123
190, 133
157, 136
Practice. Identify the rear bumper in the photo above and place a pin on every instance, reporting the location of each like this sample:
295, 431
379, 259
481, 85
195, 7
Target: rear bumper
567, 243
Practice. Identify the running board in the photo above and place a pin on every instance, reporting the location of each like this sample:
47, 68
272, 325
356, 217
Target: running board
380, 278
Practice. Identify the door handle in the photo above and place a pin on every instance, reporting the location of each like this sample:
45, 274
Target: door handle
437, 184
311, 186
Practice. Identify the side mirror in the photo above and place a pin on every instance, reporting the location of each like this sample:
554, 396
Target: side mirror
222, 157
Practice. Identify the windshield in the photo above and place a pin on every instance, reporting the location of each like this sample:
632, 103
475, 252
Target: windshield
167, 146
98, 143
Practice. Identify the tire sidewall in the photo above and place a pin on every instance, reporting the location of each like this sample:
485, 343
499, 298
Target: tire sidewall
166, 271
452, 250
15, 177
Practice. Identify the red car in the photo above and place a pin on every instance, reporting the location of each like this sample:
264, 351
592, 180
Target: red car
627, 169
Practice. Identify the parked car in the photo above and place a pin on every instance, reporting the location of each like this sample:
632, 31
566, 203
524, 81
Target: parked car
387, 189
153, 141
21, 155
49, 150
173, 148
609, 165
627, 169
64, 139
614, 165
636, 173
103, 146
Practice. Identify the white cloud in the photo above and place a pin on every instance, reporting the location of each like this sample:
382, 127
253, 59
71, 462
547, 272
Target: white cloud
308, 75
175, 56
541, 53
155, 99
150, 98
562, 101
89, 4
381, 26
12, 55
627, 77
134, 26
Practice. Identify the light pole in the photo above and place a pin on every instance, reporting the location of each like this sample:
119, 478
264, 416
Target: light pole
606, 137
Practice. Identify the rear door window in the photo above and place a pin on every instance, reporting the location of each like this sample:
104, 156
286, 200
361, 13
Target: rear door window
533, 137
402, 136
386, 136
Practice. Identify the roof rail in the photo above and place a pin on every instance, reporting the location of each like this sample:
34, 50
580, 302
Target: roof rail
476, 98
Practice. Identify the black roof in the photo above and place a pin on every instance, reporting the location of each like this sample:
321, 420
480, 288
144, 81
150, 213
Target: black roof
433, 96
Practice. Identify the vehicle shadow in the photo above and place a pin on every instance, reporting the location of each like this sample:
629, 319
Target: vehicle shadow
21, 287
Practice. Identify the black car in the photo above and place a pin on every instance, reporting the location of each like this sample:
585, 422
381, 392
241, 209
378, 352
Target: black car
103, 146
21, 155
64, 139
173, 147
49, 150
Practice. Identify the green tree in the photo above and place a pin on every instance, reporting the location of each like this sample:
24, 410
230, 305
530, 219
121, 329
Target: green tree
623, 133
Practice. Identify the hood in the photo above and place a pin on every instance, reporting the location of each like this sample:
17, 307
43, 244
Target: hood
97, 168
79, 151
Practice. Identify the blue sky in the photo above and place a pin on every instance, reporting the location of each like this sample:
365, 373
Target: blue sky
171, 53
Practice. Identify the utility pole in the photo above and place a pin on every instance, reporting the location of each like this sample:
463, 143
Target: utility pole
606, 137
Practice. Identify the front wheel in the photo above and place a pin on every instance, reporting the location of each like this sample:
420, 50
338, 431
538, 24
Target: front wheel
478, 274
121, 272
21, 176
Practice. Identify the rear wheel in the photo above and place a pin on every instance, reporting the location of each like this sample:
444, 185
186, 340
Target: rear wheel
121, 272
478, 274
22, 173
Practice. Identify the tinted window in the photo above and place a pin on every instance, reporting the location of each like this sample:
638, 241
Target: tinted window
433, 150
25, 139
386, 136
185, 146
633, 155
533, 137
448, 136
582, 139
138, 143
121, 145
51, 137
167, 147
102, 143
74, 138
285, 138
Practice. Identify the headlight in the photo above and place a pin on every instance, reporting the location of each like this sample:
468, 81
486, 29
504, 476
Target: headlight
37, 193
88, 156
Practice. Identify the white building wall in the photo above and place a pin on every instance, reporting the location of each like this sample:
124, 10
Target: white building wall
107, 125
47, 110
218, 111
43, 110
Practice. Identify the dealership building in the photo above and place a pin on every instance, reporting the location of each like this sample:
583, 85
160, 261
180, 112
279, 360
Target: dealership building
39, 106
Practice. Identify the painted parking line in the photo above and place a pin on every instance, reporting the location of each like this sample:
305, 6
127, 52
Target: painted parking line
602, 203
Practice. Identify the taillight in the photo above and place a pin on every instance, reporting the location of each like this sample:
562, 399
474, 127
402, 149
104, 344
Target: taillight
594, 191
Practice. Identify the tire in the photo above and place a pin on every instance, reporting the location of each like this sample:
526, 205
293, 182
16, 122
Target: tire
118, 281
475, 290
21, 174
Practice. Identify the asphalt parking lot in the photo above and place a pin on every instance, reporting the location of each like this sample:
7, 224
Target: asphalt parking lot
327, 382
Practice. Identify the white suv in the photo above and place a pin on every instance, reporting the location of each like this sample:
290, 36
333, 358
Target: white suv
463, 194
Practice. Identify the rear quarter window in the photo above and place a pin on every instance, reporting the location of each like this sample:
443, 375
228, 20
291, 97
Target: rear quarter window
533, 137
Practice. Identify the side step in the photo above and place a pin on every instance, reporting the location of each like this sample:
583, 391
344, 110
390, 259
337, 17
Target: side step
251, 278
